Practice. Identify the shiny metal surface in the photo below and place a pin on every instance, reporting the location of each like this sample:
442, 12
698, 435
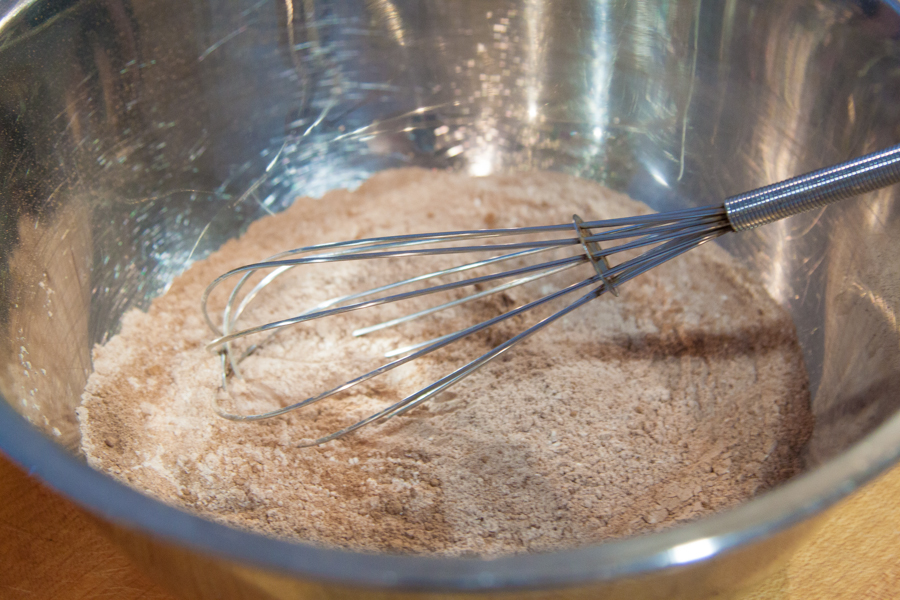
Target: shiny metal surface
814, 190
135, 137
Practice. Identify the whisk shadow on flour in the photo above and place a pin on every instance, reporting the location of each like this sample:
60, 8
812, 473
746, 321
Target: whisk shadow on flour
725, 345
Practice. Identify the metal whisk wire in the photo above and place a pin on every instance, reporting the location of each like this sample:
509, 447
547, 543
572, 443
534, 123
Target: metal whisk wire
661, 237
669, 235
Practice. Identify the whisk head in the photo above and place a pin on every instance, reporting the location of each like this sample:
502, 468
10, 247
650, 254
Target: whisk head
484, 263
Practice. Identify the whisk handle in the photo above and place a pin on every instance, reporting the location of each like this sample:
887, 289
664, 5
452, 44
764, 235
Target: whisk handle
814, 190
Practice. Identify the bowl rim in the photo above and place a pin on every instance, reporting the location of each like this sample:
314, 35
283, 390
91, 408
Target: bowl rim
795, 501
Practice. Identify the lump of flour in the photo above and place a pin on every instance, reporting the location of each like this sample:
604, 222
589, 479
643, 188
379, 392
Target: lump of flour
684, 396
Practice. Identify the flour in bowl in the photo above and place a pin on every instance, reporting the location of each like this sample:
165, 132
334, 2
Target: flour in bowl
684, 396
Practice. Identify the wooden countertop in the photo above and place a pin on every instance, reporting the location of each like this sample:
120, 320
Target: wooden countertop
49, 549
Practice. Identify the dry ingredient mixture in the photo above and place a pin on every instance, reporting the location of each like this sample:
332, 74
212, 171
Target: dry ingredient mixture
684, 396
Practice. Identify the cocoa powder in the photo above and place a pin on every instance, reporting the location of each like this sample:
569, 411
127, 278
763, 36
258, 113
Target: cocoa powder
684, 396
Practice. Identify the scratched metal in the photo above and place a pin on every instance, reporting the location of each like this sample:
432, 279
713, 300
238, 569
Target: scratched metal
136, 137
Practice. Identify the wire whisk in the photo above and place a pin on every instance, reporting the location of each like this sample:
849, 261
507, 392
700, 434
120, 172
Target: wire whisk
656, 238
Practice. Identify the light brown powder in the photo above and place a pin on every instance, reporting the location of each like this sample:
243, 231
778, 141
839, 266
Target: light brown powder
682, 397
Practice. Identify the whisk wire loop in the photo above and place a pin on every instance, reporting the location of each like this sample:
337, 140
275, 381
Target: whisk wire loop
634, 233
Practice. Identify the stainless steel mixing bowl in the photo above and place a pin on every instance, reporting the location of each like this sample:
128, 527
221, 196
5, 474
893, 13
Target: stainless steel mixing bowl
137, 136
